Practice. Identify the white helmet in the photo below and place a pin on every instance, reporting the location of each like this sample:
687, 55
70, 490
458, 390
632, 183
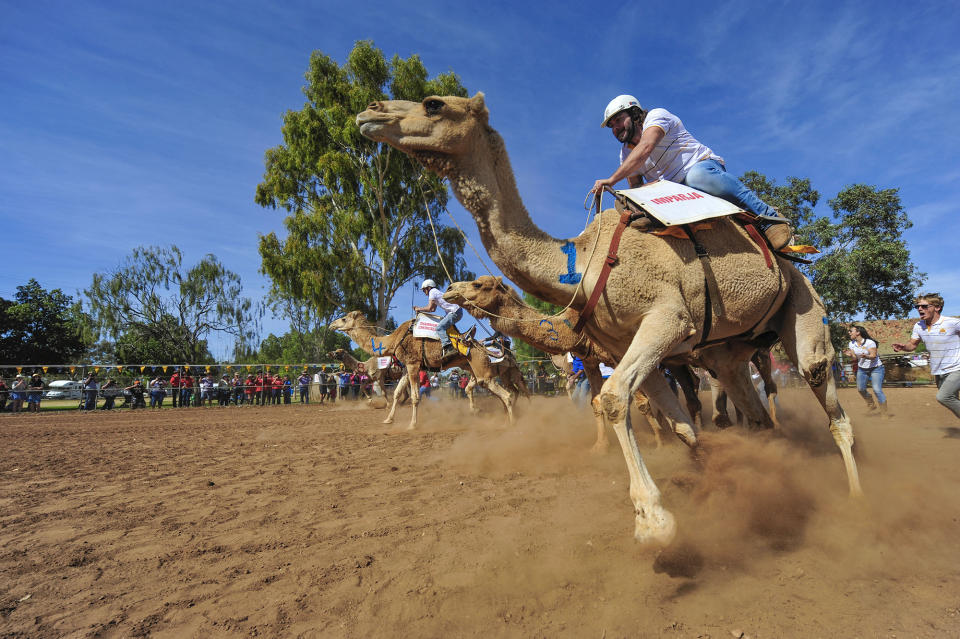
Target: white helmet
618, 104
428, 283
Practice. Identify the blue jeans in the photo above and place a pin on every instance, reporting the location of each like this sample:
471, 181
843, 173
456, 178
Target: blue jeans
948, 386
876, 381
711, 177
448, 319
581, 392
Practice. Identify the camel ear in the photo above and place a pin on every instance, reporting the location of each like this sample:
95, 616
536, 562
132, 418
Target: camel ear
479, 106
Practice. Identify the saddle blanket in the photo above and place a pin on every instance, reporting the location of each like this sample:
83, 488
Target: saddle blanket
384, 362
674, 204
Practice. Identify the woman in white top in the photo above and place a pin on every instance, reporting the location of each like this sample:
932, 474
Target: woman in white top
869, 366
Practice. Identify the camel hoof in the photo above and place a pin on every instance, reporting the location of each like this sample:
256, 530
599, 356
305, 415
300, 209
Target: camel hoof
657, 529
387, 421
722, 422
411, 427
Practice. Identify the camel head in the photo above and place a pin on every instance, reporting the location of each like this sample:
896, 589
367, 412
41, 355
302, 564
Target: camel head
435, 131
337, 354
486, 293
350, 321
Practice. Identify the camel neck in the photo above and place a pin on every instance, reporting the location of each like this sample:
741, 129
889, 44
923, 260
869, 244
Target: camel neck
552, 334
530, 257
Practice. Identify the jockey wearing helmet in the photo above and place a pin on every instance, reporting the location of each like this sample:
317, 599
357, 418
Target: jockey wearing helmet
453, 312
656, 146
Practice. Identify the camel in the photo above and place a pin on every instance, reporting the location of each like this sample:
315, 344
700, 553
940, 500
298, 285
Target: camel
381, 376
418, 352
655, 303
489, 298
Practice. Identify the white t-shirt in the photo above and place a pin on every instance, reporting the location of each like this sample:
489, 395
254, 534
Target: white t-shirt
674, 154
862, 350
605, 371
942, 339
436, 296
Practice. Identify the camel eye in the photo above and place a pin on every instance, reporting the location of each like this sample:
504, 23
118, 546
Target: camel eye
433, 106
475, 285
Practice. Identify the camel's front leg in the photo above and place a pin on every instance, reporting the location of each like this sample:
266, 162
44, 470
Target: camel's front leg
505, 396
468, 389
402, 383
657, 336
734, 376
592, 370
412, 378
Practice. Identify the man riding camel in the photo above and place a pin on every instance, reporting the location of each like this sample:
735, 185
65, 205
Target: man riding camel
453, 312
656, 146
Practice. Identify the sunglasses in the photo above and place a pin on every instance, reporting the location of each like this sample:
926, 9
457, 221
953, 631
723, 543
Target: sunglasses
922, 306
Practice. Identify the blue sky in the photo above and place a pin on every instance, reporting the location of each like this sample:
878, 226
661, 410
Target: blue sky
134, 123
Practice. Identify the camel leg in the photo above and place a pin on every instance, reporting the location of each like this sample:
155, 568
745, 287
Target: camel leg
733, 373
806, 339
643, 405
592, 370
721, 418
684, 379
402, 384
412, 378
504, 395
468, 389
658, 335
761, 360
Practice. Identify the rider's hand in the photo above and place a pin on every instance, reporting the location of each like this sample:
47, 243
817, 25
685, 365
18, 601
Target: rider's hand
600, 184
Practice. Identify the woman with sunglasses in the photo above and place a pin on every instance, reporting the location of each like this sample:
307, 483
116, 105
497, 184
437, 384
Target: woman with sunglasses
941, 336
864, 350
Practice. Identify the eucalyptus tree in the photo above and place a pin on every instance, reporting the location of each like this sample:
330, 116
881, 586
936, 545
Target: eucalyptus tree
173, 309
359, 213
864, 268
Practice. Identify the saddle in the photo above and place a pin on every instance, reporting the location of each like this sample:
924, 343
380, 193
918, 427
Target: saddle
664, 207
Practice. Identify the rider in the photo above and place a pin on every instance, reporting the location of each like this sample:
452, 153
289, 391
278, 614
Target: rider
656, 146
453, 312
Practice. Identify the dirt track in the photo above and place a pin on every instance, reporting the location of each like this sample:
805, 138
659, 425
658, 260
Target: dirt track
306, 521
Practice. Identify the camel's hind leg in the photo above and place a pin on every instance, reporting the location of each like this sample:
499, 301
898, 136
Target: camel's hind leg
468, 390
806, 339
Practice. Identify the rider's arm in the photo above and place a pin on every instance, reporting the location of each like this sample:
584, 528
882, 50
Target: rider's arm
429, 308
909, 346
648, 141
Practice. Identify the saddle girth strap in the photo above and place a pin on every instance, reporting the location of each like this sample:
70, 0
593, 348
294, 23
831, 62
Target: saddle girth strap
604, 271
707, 303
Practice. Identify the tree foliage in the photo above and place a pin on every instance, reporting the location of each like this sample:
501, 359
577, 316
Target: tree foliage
358, 227
41, 327
864, 268
154, 307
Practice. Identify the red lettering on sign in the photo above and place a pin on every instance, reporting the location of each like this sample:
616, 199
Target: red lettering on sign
679, 197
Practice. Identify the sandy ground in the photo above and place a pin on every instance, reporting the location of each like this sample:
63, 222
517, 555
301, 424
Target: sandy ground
319, 522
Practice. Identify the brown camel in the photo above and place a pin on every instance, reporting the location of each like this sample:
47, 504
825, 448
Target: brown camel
655, 303
418, 352
382, 376
489, 298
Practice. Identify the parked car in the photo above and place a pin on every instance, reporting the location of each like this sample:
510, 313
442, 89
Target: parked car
64, 389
